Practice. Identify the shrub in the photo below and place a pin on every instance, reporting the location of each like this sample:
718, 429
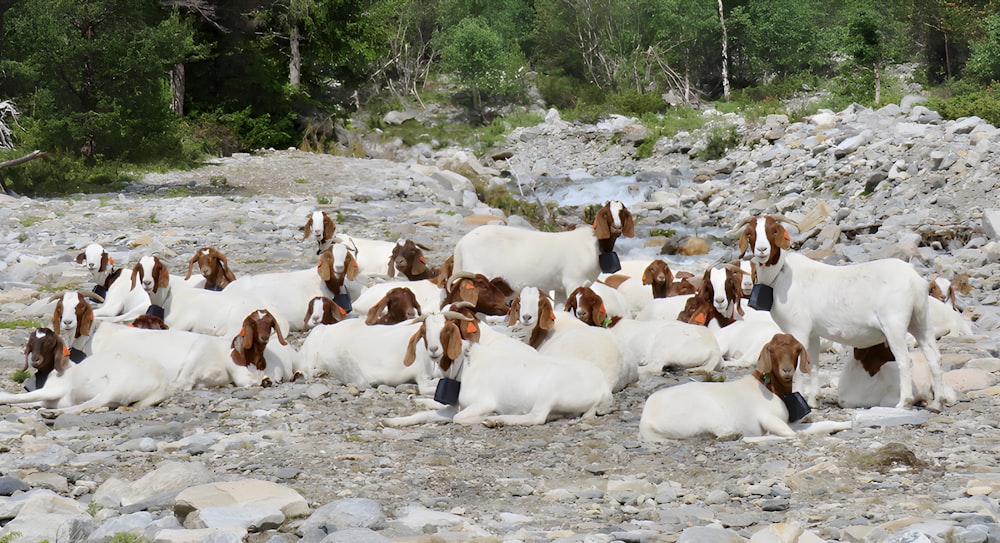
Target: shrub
984, 103
720, 138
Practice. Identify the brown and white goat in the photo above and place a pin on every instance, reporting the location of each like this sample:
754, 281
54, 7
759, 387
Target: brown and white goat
860, 305
487, 296
214, 267
947, 291
149, 322
612, 221
588, 306
321, 229
250, 345
73, 321
322, 310
750, 406
718, 299
101, 266
108, 379
398, 305
871, 379
533, 309
408, 259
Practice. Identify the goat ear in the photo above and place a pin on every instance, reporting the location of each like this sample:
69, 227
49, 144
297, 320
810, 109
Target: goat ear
376, 311
162, 276
57, 318
136, 270
191, 265
782, 239
452, 341
514, 311
277, 330
84, 318
392, 265
468, 292
329, 227
600, 315
805, 365
325, 265
419, 267
628, 223
411, 346
647, 275
80, 258
307, 229
601, 222
246, 334
224, 263
764, 363
352, 267
745, 241
546, 317
570, 303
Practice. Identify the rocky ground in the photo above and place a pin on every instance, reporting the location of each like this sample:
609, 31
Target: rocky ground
924, 187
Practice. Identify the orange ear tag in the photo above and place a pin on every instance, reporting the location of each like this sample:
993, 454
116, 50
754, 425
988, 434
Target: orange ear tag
700, 318
471, 328
787, 237
552, 315
65, 350
243, 332
111, 259
595, 224
468, 286
602, 310
422, 259
341, 310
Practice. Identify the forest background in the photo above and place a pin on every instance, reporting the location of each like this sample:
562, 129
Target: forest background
106, 90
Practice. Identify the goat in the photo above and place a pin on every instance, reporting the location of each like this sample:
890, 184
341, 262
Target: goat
718, 299
214, 268
751, 406
122, 301
947, 291
656, 346
107, 379
748, 278
858, 305
320, 228
551, 261
188, 359
251, 348
589, 307
428, 294
398, 305
663, 309
533, 309
664, 283
506, 382
322, 310
350, 351
487, 296
287, 294
871, 378
945, 320
73, 320
408, 259
149, 322
101, 266
371, 255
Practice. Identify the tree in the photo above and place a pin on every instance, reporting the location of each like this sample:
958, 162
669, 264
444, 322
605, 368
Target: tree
780, 38
480, 57
868, 46
984, 64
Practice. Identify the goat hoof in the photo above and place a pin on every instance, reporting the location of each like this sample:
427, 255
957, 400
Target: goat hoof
297, 375
266, 382
492, 423
48, 414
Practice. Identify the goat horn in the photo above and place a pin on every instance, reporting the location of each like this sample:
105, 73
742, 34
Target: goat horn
781, 218
463, 305
460, 275
92, 295
419, 318
733, 267
740, 226
456, 315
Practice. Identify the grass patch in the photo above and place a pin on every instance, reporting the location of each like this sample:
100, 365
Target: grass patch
440, 133
667, 125
24, 323
29, 221
20, 376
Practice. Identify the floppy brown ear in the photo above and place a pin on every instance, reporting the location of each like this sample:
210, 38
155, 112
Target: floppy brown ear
81, 257
744, 242
60, 357
647, 275
325, 266
246, 334
514, 311
546, 316
162, 276
602, 223
307, 230
764, 363
781, 237
628, 223
376, 310
136, 270
224, 262
352, 267
84, 318
411, 346
805, 365
420, 266
468, 292
571, 304
191, 265
502, 285
452, 341
277, 330
329, 227
105, 260
392, 266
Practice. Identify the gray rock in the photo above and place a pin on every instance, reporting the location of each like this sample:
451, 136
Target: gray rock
356, 535
346, 513
9, 485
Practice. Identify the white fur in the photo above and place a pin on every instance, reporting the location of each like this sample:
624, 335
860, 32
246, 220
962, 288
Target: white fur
429, 295
659, 345
858, 389
945, 321
663, 309
372, 255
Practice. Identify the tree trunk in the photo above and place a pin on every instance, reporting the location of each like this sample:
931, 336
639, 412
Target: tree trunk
725, 54
295, 62
177, 87
14, 162
878, 83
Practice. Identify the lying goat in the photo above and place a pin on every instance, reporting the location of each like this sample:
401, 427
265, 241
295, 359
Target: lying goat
321, 229
252, 347
487, 296
408, 259
322, 310
107, 379
214, 267
751, 406
398, 305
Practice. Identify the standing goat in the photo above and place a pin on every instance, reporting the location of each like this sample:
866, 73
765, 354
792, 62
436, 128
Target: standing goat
550, 261
860, 305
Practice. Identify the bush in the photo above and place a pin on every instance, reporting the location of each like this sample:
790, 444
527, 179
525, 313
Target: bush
982, 102
564, 92
636, 104
62, 173
720, 139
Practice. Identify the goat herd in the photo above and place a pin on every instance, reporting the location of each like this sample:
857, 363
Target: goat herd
486, 325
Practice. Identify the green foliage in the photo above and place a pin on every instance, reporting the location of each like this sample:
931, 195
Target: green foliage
93, 508
8, 538
636, 104
984, 64
667, 125
20, 376
62, 173
124, 537
720, 138
24, 323
776, 37
968, 100
565, 92
482, 59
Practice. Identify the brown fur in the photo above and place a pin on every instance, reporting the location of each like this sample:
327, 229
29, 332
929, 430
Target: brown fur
487, 296
84, 316
149, 322
332, 313
546, 319
249, 344
398, 305
161, 276
325, 269
604, 227
408, 258
214, 267
778, 360
874, 357
775, 232
588, 306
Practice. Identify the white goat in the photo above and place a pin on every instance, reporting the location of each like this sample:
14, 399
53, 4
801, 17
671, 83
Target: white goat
122, 301
550, 261
107, 379
664, 345
507, 382
372, 255
748, 407
351, 351
428, 294
663, 309
870, 378
859, 305
287, 294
